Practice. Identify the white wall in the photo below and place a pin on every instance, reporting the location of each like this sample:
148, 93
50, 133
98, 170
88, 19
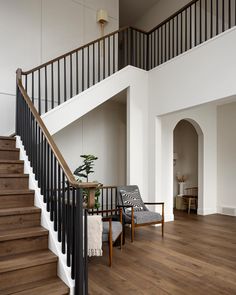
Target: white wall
159, 12
34, 31
203, 74
227, 159
101, 132
186, 146
136, 83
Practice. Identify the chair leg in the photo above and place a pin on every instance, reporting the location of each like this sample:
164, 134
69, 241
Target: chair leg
121, 240
162, 228
189, 205
132, 232
110, 254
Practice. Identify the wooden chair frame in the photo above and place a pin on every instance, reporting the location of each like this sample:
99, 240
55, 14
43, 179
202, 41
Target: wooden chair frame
133, 225
109, 219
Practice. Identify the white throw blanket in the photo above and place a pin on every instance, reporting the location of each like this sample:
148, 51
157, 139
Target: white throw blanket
94, 235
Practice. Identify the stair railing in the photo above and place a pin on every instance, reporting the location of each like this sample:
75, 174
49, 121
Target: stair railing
58, 80
61, 192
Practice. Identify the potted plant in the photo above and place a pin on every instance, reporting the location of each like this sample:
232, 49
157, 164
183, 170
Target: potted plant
83, 171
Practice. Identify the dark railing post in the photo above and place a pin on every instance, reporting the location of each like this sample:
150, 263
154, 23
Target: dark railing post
80, 269
18, 77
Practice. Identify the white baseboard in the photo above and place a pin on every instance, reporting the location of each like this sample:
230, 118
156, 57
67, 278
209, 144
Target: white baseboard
207, 211
226, 210
63, 271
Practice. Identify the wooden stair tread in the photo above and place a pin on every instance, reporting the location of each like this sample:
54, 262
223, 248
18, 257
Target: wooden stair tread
14, 175
26, 260
7, 138
11, 161
52, 286
17, 211
19, 233
16, 192
9, 149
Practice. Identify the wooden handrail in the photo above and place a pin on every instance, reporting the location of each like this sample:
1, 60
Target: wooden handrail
53, 146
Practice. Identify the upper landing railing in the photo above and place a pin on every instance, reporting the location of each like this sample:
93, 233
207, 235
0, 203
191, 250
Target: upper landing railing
56, 81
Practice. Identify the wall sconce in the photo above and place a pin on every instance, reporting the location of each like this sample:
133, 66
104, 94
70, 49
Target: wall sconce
175, 157
102, 19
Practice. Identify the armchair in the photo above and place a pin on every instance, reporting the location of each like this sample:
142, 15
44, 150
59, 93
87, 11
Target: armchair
135, 211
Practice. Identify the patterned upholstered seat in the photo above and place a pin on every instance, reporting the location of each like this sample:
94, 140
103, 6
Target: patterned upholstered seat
141, 217
135, 211
116, 230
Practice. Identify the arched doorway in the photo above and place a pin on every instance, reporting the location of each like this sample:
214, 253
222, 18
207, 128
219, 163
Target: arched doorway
185, 176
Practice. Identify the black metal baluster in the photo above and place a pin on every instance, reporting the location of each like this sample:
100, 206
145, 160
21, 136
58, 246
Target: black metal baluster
52, 90
190, 27
55, 194
181, 33
107, 200
32, 92
200, 22
63, 239
65, 86
205, 20
39, 93
165, 43
177, 35
48, 176
68, 223
71, 77
88, 68
59, 195
99, 69
77, 72
52, 187
59, 83
109, 55
93, 63
83, 74
211, 18
195, 23
217, 17
223, 15
168, 40
140, 49
173, 37
72, 216
104, 58
46, 90
229, 10
114, 54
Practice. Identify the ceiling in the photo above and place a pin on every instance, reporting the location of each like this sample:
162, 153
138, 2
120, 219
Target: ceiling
132, 10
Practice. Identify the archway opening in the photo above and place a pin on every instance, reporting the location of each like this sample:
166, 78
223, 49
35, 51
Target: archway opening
186, 167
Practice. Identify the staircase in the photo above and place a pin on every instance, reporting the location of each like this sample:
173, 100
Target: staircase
27, 267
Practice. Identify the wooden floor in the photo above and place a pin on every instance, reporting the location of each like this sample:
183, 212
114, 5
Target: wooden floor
196, 256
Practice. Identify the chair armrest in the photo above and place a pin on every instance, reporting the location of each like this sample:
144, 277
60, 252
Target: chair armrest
101, 211
125, 206
107, 219
158, 203
154, 203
